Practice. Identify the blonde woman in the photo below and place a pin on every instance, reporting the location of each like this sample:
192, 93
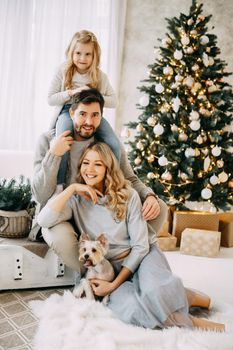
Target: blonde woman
80, 72
145, 292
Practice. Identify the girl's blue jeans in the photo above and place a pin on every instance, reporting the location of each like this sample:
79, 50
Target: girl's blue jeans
104, 133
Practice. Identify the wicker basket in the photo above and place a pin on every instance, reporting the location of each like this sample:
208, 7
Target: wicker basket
16, 224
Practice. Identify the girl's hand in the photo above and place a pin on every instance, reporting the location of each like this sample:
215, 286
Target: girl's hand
78, 90
87, 192
100, 287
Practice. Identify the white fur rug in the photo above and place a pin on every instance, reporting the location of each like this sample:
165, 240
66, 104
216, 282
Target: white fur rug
67, 323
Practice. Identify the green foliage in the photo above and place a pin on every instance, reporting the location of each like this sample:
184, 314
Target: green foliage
15, 194
181, 147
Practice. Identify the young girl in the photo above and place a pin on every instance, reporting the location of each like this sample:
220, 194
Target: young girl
80, 71
145, 292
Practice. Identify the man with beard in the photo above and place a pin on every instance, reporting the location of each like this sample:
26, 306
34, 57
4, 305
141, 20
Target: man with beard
86, 113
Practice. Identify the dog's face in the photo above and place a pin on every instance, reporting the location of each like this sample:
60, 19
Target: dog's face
92, 253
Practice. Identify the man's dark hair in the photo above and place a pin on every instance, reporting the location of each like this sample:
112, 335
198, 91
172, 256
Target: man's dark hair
86, 97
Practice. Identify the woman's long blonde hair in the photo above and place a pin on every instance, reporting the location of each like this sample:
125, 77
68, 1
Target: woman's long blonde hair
84, 37
117, 188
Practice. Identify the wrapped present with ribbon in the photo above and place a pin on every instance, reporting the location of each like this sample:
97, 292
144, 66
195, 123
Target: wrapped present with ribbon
193, 219
167, 243
226, 228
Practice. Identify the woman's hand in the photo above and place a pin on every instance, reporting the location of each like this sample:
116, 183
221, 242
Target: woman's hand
88, 192
150, 208
100, 287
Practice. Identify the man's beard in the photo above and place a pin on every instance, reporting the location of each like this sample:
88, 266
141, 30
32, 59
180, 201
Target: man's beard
83, 134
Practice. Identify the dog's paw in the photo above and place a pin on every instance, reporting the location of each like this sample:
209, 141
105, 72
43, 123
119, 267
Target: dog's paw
78, 292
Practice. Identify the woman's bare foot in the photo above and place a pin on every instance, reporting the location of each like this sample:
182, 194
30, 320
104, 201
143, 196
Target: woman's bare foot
198, 299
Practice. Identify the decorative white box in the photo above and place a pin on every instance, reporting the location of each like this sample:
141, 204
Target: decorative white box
200, 242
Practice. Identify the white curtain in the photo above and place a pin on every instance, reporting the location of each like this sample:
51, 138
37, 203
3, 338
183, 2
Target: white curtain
33, 37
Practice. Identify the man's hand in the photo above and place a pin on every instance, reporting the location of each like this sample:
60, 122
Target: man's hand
61, 144
150, 208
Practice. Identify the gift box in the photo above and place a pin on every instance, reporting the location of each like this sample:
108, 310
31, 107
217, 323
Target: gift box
167, 243
200, 242
193, 219
226, 228
164, 232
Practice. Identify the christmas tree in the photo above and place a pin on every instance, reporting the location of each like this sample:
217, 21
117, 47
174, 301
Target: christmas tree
181, 145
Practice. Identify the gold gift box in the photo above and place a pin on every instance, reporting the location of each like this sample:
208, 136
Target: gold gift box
200, 242
193, 219
226, 228
167, 243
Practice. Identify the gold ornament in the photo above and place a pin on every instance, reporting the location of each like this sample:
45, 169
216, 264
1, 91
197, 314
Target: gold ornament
220, 163
151, 176
151, 158
230, 184
139, 128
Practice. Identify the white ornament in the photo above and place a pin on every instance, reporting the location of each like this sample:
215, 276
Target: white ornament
167, 70
144, 100
206, 193
205, 59
206, 163
223, 177
166, 176
216, 151
174, 128
158, 129
190, 21
212, 88
178, 55
204, 39
176, 104
195, 67
189, 81
151, 121
151, 176
194, 115
190, 50
211, 61
214, 180
195, 125
199, 140
182, 137
185, 40
159, 88
193, 32
189, 152
162, 161
137, 161
166, 41
178, 78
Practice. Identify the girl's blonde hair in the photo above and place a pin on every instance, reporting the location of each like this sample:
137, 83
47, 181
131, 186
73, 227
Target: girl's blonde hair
117, 188
84, 37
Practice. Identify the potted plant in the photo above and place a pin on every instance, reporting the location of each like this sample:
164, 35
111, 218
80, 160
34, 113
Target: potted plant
16, 207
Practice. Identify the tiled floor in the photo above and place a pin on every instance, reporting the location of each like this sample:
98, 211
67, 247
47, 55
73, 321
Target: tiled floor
17, 322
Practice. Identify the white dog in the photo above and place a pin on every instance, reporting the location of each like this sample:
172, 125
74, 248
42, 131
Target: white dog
92, 253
